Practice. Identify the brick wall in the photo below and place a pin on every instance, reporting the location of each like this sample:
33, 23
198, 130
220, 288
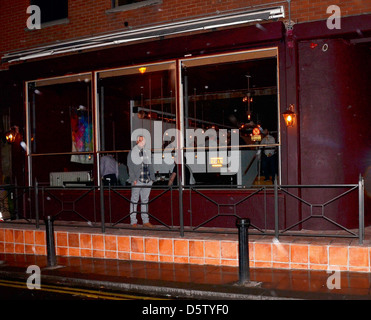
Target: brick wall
89, 17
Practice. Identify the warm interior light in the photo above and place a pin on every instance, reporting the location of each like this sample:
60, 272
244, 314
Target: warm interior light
142, 70
216, 162
289, 116
256, 136
11, 135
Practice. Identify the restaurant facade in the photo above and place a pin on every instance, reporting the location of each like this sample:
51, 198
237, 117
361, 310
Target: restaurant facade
203, 89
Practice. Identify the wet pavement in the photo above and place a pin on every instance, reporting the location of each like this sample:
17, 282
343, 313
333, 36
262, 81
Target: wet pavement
187, 281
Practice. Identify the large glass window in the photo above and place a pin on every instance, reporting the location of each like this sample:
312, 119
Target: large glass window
137, 100
60, 130
225, 96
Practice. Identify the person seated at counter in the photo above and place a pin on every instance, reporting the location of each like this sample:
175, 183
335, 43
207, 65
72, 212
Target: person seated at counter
109, 170
189, 179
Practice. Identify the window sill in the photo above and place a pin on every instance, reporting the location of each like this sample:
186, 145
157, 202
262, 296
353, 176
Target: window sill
51, 23
134, 6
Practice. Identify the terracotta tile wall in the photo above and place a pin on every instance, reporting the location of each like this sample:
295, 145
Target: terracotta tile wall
262, 252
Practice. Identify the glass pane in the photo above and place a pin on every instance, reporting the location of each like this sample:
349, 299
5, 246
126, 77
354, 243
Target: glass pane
61, 116
131, 100
136, 101
222, 100
59, 170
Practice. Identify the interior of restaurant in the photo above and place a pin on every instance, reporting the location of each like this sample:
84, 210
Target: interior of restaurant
226, 94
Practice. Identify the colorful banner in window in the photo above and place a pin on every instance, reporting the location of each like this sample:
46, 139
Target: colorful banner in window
82, 133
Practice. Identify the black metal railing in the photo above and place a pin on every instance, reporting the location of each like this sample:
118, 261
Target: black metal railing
108, 207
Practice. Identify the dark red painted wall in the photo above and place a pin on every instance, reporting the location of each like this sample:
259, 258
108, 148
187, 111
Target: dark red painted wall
335, 140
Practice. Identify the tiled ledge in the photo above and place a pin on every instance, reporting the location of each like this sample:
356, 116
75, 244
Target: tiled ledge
264, 253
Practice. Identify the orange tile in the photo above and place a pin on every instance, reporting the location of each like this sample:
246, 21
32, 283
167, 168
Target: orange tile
2, 247
151, 245
123, 255
137, 244
98, 253
359, 269
358, 257
318, 254
337, 268
29, 249
123, 243
299, 253
98, 243
19, 248
196, 260
73, 240
232, 263
40, 237
29, 237
9, 235
151, 257
40, 250
18, 236
86, 253
299, 266
110, 254
251, 251
181, 247
263, 252
212, 249
110, 243
62, 251
85, 241
211, 261
229, 250
318, 267
166, 259
73, 252
281, 252
259, 264
9, 247
279, 265
181, 259
166, 246
61, 239
196, 248
2, 235
137, 256
338, 256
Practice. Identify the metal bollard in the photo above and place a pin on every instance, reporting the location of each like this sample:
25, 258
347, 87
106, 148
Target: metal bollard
50, 244
243, 250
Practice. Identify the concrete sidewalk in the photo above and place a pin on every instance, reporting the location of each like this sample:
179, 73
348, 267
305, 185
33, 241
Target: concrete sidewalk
186, 281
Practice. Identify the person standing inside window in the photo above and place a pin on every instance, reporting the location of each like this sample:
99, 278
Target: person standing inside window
268, 156
141, 177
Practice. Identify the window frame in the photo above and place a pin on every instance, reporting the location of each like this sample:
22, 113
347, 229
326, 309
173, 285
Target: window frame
52, 81
132, 6
252, 54
60, 20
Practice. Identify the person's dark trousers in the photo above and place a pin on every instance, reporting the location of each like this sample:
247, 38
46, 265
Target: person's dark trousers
269, 166
110, 179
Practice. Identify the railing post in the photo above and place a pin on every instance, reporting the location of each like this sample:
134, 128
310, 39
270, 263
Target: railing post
276, 228
50, 244
37, 218
181, 218
243, 250
361, 208
102, 207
